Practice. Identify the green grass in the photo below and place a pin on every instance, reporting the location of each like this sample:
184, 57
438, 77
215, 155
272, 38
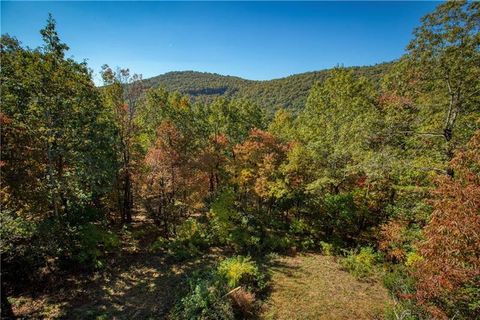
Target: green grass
314, 286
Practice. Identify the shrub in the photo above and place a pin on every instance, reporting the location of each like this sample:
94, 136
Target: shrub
307, 244
21, 255
205, 300
299, 226
239, 270
327, 248
224, 217
398, 281
181, 250
191, 239
176, 249
276, 243
210, 294
360, 265
239, 230
187, 229
93, 242
396, 239
341, 215
412, 259
159, 244
348, 217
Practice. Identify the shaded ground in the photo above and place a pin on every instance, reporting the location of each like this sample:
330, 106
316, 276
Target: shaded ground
139, 284
135, 284
314, 287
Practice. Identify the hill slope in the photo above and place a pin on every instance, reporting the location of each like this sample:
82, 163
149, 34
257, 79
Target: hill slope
290, 92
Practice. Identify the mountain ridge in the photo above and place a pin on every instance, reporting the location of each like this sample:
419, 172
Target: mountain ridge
288, 92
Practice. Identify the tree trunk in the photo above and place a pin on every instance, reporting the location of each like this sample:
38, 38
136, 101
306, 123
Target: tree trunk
211, 188
127, 200
454, 109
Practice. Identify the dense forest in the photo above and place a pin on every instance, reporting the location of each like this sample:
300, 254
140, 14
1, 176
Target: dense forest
378, 167
288, 93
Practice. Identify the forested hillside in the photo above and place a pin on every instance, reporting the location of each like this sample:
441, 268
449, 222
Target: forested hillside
133, 201
290, 92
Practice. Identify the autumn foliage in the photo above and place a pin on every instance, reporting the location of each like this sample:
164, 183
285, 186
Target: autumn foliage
257, 162
451, 265
364, 160
173, 184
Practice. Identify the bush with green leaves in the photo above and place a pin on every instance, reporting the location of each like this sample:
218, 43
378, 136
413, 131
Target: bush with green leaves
398, 281
178, 250
238, 230
340, 216
241, 271
191, 238
192, 231
274, 242
21, 256
205, 300
92, 243
223, 215
299, 226
361, 264
327, 248
208, 294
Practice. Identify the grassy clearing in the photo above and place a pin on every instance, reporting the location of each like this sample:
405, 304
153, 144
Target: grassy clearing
137, 283
313, 286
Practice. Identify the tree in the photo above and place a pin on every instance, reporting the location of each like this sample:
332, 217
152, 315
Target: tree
256, 169
51, 39
282, 125
446, 53
173, 185
234, 118
429, 103
121, 95
54, 125
56, 156
336, 128
449, 274
212, 160
154, 109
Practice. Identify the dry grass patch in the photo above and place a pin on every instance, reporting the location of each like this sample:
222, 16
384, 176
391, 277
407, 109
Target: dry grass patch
315, 287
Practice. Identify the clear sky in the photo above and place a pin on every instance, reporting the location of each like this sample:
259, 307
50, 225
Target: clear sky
254, 40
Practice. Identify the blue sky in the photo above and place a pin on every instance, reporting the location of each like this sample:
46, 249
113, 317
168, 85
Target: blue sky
254, 40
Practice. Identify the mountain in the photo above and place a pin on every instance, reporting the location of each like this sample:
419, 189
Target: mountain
290, 92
